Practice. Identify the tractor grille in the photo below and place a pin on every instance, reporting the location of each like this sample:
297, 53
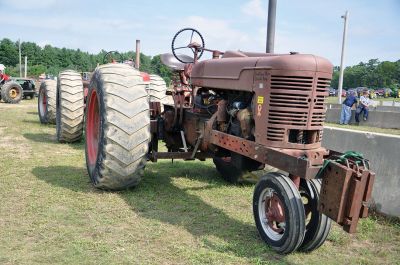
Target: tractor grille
322, 91
275, 134
294, 103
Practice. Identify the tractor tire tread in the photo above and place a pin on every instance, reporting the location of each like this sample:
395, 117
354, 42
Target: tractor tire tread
324, 226
126, 127
70, 109
50, 90
157, 91
295, 216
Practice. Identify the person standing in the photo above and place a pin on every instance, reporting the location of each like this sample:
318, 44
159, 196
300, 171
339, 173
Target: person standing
3, 76
348, 103
363, 106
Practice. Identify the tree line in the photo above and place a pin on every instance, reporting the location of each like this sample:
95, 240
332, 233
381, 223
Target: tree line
51, 60
373, 74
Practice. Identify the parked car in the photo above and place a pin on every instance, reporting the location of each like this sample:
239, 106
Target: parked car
379, 92
332, 92
372, 94
387, 93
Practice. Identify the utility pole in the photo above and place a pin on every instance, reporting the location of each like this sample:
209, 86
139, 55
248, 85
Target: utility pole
137, 61
345, 17
26, 65
271, 26
20, 59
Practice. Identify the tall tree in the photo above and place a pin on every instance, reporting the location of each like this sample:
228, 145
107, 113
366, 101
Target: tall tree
160, 69
32, 51
8, 52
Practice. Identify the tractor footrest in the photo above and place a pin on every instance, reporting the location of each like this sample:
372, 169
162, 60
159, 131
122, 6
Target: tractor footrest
345, 193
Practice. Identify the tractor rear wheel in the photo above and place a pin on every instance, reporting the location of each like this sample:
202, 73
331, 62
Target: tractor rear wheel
157, 91
318, 225
69, 107
235, 168
11, 92
47, 101
117, 127
228, 171
279, 213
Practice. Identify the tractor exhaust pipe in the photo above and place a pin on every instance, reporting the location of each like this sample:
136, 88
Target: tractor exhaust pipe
271, 26
137, 61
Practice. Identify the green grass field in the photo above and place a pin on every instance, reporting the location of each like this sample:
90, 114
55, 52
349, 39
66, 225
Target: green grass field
181, 213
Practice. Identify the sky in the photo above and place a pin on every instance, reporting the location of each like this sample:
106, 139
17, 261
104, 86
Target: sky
307, 26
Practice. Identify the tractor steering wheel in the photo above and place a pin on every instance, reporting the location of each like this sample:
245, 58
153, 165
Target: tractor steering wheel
109, 57
192, 47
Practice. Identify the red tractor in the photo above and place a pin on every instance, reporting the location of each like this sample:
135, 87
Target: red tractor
10, 90
244, 110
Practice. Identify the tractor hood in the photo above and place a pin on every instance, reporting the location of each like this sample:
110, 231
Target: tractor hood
235, 70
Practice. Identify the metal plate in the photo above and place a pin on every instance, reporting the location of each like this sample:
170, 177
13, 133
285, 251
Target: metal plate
334, 191
345, 192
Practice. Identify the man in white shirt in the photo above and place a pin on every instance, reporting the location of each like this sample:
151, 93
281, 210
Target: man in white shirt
363, 106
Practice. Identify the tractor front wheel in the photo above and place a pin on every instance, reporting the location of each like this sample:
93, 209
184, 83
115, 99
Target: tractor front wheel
11, 92
318, 225
117, 127
279, 213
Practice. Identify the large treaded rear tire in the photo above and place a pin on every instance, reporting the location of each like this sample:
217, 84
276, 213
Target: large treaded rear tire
117, 127
11, 92
47, 101
157, 91
69, 107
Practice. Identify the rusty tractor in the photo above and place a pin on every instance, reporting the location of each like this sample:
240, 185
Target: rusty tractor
244, 110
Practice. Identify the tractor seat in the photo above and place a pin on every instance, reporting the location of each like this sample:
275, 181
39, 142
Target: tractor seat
169, 60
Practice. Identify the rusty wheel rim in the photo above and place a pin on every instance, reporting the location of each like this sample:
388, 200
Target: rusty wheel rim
307, 203
272, 214
42, 103
93, 128
13, 93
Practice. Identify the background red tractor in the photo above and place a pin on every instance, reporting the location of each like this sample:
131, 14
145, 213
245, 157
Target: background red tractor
14, 89
10, 90
244, 110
